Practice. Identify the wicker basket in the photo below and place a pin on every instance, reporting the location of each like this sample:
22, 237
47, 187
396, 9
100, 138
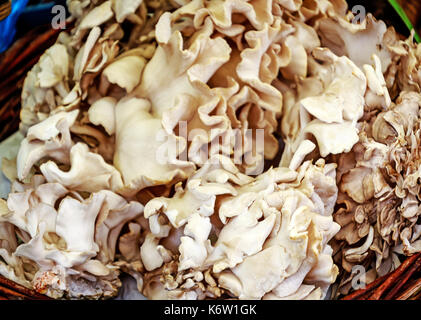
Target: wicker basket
413, 10
404, 283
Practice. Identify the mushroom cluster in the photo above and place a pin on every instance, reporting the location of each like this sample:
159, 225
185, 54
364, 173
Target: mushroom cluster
379, 192
149, 128
225, 234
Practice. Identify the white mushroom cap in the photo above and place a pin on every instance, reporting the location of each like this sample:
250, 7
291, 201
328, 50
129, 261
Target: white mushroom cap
124, 8
88, 172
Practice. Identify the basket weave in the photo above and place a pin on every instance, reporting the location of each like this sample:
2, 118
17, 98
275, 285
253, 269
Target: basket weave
20, 58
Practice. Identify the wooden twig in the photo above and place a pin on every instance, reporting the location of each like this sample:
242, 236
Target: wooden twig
6, 93
414, 287
18, 46
394, 276
31, 48
416, 297
10, 127
359, 294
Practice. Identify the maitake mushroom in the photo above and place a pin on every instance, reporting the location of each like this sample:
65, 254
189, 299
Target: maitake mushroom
226, 235
379, 188
65, 243
177, 107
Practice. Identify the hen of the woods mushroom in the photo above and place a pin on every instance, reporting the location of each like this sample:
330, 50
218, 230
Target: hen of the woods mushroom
148, 126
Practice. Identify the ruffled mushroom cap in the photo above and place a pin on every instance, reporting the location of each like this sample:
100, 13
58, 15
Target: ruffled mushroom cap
88, 172
408, 75
69, 73
358, 41
137, 133
49, 138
